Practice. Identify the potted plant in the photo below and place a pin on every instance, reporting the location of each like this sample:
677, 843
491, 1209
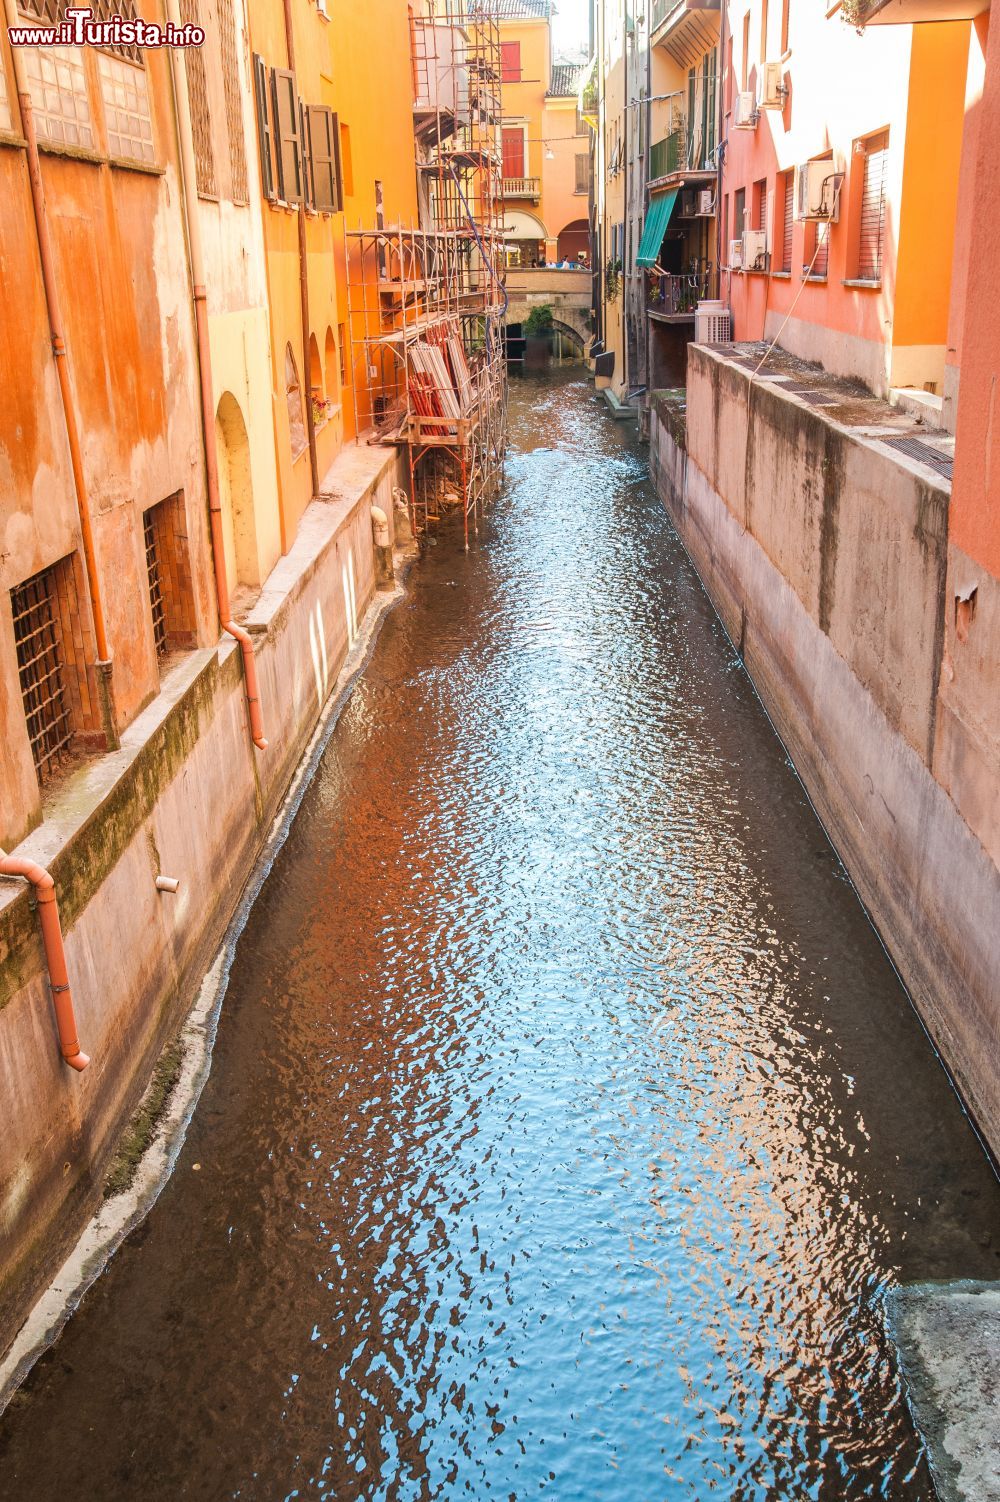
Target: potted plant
538, 336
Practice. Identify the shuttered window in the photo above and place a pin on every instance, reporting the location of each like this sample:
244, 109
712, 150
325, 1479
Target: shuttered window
873, 210
788, 205
821, 265
510, 62
324, 138
582, 172
264, 142
513, 152
288, 136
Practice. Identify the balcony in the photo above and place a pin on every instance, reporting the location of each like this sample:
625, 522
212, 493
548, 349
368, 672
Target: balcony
523, 187
684, 151
675, 10
685, 29
673, 298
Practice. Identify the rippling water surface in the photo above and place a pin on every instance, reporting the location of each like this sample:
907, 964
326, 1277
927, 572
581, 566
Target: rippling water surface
567, 1123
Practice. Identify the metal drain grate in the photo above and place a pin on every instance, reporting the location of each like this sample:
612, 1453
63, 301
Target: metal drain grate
915, 448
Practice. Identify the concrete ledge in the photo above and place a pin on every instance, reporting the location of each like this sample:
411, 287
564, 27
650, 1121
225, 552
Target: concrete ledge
616, 406
948, 1340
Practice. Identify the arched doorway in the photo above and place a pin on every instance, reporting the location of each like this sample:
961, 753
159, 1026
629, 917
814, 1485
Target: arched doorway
296, 411
574, 241
239, 524
524, 238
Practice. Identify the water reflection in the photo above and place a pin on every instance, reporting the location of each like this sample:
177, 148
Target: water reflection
567, 1121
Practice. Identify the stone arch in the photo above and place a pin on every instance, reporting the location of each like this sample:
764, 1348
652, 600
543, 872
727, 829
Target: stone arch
239, 521
570, 334
296, 411
573, 238
524, 236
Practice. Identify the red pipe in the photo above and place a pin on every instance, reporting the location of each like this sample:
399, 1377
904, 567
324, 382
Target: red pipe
55, 954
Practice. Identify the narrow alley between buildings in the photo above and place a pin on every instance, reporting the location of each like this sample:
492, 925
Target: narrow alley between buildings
567, 1126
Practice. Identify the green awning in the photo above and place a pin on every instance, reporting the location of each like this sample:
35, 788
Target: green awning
657, 218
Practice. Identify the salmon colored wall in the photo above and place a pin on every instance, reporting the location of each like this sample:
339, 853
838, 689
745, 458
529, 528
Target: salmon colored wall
975, 499
874, 93
122, 274
966, 187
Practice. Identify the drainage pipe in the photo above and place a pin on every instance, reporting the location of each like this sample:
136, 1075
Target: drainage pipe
61, 355
193, 224
55, 954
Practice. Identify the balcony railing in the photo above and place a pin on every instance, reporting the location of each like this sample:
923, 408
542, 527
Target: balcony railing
662, 9
686, 148
675, 294
522, 187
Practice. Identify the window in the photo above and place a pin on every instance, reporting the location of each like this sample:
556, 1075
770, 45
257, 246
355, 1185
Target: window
760, 204
58, 87
40, 669
201, 119
582, 172
126, 108
581, 124
787, 221
785, 7
324, 158
168, 575
287, 135
739, 214
238, 185
293, 398
872, 234
816, 249
513, 151
264, 134
153, 581
745, 60
510, 62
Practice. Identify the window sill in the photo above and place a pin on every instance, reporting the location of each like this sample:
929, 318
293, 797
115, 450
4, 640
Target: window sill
130, 164
821, 279
781, 276
75, 153
11, 138
863, 285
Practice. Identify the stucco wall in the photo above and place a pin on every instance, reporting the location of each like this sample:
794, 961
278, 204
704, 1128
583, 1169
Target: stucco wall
187, 795
827, 561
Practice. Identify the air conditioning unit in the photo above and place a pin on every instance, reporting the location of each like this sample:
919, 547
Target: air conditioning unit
706, 201
773, 91
712, 324
688, 203
736, 255
818, 191
746, 111
754, 250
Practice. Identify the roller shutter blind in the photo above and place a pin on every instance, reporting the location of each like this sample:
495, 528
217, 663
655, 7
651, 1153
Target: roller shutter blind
787, 209
873, 210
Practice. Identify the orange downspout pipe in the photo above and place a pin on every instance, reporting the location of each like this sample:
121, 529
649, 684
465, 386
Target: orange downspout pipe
61, 354
55, 954
191, 215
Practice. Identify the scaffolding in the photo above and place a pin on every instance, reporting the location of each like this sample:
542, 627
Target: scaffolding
426, 303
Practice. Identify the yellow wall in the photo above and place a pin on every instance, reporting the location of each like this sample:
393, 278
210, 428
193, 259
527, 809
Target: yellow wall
561, 204
524, 102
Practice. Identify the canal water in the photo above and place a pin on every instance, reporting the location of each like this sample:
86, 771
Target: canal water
567, 1123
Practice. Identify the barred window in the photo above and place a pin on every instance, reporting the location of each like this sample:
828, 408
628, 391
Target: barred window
51, 12
168, 575
201, 119
58, 87
37, 640
234, 104
126, 109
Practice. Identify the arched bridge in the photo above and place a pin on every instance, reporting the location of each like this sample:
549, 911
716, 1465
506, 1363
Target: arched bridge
567, 293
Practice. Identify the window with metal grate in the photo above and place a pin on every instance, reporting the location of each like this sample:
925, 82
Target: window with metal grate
40, 671
155, 583
873, 209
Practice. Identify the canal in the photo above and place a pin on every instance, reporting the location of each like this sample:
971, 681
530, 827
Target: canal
567, 1123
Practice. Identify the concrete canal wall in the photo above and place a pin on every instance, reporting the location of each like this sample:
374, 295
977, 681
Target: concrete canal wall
826, 555
186, 796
